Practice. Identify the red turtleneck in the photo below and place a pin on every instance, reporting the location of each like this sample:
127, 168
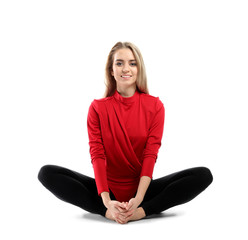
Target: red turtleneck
124, 138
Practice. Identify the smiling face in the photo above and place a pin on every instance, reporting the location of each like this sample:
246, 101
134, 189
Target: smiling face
124, 68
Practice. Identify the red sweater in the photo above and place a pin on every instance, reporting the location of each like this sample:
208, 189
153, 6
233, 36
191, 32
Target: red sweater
124, 139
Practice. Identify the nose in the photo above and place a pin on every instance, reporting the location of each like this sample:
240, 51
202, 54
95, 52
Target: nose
125, 68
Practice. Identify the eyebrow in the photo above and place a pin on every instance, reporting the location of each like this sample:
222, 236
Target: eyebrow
120, 60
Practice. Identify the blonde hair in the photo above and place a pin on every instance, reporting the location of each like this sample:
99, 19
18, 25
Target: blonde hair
110, 82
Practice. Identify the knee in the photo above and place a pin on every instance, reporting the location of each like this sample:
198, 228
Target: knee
205, 175
45, 173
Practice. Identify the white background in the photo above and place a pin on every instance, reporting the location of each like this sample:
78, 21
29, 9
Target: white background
52, 59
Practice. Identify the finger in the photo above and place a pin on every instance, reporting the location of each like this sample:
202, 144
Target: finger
121, 210
129, 213
129, 206
118, 221
129, 218
121, 205
124, 216
117, 218
121, 220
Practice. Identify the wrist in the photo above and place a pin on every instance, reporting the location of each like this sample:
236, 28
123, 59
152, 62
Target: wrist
106, 203
106, 199
139, 199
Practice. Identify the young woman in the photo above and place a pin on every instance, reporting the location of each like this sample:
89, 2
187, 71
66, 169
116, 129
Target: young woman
125, 129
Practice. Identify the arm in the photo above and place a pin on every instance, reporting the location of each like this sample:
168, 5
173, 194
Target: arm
154, 139
142, 188
150, 154
98, 159
105, 199
114, 206
97, 151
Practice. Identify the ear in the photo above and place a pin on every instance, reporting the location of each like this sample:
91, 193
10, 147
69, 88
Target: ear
112, 72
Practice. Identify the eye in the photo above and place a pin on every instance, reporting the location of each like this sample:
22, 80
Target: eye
119, 63
133, 64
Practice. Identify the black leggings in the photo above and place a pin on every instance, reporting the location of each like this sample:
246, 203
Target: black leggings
162, 193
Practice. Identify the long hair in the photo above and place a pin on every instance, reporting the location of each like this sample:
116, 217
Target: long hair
110, 82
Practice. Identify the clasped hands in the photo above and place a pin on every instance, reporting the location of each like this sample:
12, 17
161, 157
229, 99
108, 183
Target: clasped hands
122, 212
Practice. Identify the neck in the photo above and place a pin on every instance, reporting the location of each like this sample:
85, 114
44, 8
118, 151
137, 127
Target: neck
126, 92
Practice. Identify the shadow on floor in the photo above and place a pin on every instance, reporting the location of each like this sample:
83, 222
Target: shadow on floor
99, 218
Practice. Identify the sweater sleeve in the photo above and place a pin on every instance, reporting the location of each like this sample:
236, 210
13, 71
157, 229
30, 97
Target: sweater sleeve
96, 149
153, 141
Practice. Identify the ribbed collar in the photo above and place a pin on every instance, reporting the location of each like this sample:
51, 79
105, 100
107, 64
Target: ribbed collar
127, 100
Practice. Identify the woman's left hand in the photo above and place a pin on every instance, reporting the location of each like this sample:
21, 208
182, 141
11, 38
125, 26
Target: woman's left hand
133, 204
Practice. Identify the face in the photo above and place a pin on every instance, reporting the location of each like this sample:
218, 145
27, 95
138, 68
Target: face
125, 68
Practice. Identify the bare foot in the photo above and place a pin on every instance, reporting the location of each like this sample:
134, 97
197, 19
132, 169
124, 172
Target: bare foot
109, 216
138, 214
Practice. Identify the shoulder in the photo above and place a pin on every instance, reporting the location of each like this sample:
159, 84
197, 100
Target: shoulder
96, 104
152, 101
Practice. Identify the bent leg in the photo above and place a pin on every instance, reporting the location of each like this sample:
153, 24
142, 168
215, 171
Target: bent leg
175, 189
72, 187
